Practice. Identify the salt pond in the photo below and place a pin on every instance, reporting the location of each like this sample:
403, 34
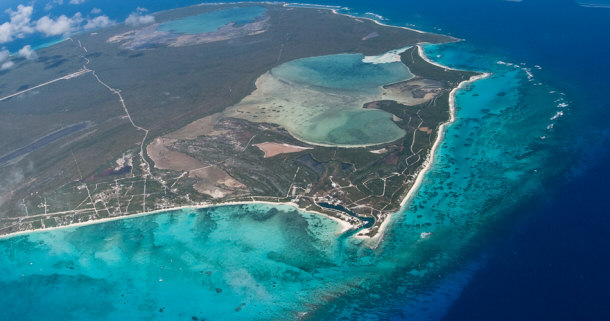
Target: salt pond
212, 21
320, 100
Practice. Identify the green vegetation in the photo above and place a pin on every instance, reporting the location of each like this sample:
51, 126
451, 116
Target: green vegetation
101, 173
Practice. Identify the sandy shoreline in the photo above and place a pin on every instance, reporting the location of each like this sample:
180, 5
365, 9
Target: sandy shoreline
375, 240
422, 54
441, 131
345, 226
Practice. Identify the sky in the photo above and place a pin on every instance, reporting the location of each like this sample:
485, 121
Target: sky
26, 25
24, 22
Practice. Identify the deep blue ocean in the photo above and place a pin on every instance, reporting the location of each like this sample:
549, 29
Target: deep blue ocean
554, 261
547, 258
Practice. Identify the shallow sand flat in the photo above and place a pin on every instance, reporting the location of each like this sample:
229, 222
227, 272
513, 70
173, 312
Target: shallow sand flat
165, 158
213, 20
199, 127
173, 257
319, 117
215, 182
327, 111
272, 149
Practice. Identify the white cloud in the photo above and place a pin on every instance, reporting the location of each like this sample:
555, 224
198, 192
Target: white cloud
27, 53
6, 33
139, 18
7, 65
52, 4
98, 22
77, 1
4, 54
19, 24
96, 11
60, 26
21, 16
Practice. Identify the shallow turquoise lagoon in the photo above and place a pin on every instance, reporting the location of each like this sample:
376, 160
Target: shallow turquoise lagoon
228, 263
342, 72
320, 100
493, 157
260, 262
351, 127
212, 21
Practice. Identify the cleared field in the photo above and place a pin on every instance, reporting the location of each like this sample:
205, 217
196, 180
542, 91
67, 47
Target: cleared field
153, 123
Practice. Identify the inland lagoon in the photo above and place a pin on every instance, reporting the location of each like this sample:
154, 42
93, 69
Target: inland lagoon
274, 262
212, 21
320, 100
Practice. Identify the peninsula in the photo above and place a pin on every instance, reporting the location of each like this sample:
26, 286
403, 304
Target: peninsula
335, 114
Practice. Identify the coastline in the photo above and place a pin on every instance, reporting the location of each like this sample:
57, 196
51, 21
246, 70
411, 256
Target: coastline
376, 240
441, 130
422, 54
441, 133
345, 225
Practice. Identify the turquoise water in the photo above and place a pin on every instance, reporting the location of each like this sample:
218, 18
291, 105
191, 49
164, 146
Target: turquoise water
492, 158
342, 72
320, 100
351, 127
277, 265
212, 21
254, 262
257, 259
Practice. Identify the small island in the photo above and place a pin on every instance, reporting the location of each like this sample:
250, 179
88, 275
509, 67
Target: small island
334, 114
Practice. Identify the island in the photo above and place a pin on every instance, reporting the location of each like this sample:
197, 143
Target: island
223, 104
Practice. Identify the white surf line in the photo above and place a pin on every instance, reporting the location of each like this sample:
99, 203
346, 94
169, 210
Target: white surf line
342, 222
345, 225
66, 77
422, 54
441, 133
428, 162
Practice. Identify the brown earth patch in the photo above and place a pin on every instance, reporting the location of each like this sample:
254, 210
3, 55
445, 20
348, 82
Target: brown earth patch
165, 158
272, 149
200, 127
214, 181
425, 130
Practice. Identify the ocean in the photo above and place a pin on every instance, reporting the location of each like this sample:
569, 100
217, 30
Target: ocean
548, 260
516, 202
